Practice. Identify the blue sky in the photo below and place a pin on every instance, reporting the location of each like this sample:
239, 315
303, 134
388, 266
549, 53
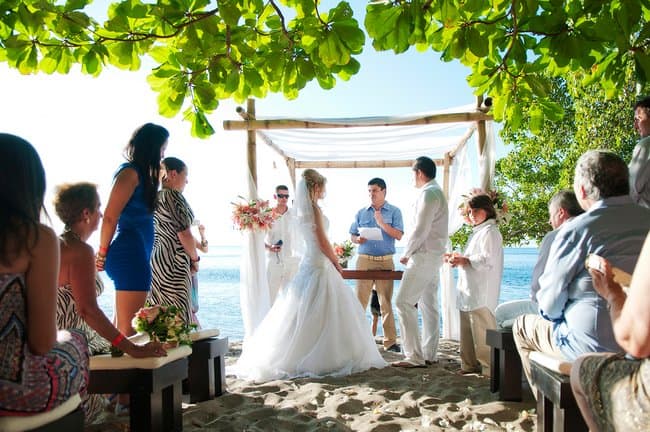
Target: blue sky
80, 125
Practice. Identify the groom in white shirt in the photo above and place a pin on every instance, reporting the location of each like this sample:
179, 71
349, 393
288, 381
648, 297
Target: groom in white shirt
423, 259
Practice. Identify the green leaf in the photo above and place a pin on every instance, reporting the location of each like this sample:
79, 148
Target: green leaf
642, 66
76, 4
229, 11
91, 64
476, 42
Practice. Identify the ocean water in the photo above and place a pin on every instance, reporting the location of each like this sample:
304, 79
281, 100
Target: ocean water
219, 286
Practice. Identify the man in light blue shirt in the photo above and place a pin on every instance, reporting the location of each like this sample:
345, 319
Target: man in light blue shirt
378, 254
574, 319
562, 207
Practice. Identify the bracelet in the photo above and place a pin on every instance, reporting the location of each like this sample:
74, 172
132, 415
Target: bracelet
103, 250
204, 243
119, 338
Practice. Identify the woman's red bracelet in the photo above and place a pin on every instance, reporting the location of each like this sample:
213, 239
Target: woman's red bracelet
119, 338
103, 250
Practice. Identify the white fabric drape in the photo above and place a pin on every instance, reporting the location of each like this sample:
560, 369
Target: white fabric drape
254, 295
460, 182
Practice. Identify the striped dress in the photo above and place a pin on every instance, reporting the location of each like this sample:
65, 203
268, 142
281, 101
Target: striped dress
67, 317
170, 264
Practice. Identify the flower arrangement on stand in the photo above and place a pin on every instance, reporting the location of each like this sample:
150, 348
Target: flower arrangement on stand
344, 252
163, 324
253, 215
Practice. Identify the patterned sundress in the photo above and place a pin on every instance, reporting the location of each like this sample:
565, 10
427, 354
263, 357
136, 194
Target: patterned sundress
30, 383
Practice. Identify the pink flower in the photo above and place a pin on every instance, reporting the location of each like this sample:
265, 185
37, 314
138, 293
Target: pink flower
150, 313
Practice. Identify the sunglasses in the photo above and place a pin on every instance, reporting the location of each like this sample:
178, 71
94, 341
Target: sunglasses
283, 195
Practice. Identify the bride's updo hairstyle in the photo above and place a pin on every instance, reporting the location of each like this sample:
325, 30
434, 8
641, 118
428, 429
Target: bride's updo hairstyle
312, 179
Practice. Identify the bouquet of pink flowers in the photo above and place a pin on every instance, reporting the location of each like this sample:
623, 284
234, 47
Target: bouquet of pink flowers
163, 324
500, 204
343, 251
253, 215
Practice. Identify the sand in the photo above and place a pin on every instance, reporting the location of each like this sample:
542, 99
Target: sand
380, 400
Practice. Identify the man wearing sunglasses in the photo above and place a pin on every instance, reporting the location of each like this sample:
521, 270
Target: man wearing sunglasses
281, 265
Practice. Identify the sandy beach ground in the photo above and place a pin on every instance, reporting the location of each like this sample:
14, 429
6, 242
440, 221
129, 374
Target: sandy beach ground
386, 400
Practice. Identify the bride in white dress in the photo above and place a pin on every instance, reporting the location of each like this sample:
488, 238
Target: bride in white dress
316, 327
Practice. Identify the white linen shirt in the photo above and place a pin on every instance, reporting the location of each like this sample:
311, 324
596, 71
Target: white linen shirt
429, 222
479, 283
281, 230
640, 172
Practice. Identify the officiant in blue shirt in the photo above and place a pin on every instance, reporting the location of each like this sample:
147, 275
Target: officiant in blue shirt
378, 254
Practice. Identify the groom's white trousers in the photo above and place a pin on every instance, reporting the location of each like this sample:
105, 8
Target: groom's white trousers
420, 286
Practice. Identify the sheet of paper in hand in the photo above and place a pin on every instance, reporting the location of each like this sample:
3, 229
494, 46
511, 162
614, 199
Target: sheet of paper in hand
370, 233
621, 277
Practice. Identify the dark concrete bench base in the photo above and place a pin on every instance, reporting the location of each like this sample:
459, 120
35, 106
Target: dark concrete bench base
557, 410
505, 365
154, 394
207, 369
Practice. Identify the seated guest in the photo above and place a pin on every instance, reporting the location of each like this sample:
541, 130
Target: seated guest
574, 319
562, 207
40, 369
611, 390
77, 205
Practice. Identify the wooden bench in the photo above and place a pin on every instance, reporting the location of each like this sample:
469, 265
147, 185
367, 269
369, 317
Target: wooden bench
66, 417
557, 410
153, 384
505, 365
207, 366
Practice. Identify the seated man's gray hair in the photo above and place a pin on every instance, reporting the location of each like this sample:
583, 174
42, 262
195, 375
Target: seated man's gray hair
602, 174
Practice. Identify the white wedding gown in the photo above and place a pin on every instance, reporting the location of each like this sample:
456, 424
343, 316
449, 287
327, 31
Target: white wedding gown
316, 327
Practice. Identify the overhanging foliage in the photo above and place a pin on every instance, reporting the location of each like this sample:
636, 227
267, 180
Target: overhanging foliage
206, 51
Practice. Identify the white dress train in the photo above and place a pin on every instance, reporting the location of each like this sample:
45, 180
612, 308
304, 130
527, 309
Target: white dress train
316, 327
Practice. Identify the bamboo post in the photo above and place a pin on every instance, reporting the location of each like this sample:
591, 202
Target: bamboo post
252, 146
291, 164
304, 124
447, 171
480, 126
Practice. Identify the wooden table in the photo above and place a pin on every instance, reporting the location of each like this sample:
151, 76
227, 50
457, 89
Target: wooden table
373, 274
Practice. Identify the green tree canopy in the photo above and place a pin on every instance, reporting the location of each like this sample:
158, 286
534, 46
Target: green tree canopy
206, 51
538, 165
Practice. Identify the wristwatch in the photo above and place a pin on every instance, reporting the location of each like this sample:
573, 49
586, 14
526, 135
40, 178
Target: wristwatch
204, 243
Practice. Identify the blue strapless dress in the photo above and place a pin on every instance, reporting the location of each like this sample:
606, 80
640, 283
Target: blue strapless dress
128, 259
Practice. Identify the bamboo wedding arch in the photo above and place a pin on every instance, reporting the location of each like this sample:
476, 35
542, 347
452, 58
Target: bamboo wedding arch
353, 143
474, 117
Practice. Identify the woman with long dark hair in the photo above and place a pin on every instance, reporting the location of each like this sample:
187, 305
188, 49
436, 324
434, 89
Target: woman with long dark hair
39, 369
127, 230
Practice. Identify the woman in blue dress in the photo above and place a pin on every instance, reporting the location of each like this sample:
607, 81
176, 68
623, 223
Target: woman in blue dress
126, 237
